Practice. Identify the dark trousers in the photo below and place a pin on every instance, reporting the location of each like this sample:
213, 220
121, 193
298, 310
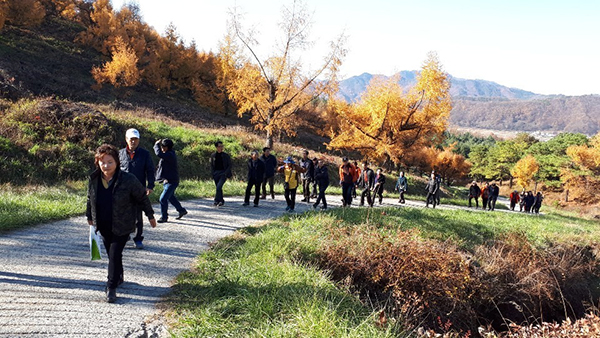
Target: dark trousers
354, 191
139, 224
321, 197
536, 208
271, 181
347, 193
521, 207
528, 208
492, 203
365, 193
378, 192
168, 196
315, 189
401, 200
256, 186
484, 202
512, 205
290, 198
431, 199
476, 201
114, 249
306, 189
219, 183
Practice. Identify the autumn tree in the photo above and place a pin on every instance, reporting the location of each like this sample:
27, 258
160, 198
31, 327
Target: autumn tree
449, 165
524, 170
582, 177
275, 88
25, 12
122, 70
387, 123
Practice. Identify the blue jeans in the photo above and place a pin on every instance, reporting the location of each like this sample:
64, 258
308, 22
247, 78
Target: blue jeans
168, 195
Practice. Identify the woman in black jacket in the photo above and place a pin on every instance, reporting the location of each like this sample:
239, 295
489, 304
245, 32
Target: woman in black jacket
167, 173
113, 197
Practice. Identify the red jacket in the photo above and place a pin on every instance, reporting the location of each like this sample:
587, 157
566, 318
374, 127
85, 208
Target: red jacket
514, 197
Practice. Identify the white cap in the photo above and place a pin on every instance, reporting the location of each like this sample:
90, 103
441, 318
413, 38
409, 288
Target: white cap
131, 133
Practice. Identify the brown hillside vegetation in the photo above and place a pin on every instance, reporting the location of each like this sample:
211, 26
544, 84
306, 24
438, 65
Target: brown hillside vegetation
578, 114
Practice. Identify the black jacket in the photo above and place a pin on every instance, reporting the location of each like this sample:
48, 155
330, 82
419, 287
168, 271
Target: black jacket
366, 179
128, 194
494, 191
226, 164
141, 165
309, 166
379, 181
270, 165
432, 186
322, 175
167, 166
474, 191
256, 171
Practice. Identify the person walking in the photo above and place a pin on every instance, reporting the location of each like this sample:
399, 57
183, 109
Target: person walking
220, 169
270, 166
431, 188
291, 174
366, 182
358, 173
167, 172
315, 185
514, 199
485, 195
537, 202
438, 193
322, 180
137, 161
307, 175
494, 193
348, 178
378, 187
529, 201
401, 187
113, 199
522, 197
474, 193
256, 173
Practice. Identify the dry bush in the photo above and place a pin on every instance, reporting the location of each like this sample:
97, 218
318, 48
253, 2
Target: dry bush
523, 284
427, 282
586, 327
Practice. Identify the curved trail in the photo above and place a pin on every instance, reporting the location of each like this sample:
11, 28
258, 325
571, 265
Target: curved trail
50, 288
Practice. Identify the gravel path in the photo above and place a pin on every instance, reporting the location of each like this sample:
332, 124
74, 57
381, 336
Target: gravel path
50, 288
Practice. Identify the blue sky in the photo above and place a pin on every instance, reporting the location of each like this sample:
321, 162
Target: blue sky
548, 47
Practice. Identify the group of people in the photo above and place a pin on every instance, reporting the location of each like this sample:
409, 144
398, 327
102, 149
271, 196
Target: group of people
489, 195
528, 202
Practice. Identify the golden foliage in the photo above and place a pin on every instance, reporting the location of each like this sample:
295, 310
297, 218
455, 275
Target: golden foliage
122, 70
388, 124
524, 170
275, 89
3, 12
25, 12
451, 165
582, 178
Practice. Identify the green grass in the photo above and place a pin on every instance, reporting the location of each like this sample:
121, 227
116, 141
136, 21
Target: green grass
252, 285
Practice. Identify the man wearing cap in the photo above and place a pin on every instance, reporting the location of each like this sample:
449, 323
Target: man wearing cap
291, 178
137, 161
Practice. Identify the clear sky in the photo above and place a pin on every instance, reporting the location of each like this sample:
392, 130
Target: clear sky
544, 46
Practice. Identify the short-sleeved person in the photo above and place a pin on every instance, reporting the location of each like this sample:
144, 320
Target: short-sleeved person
307, 176
137, 161
167, 172
322, 180
220, 169
114, 197
431, 189
366, 182
348, 178
270, 166
474, 193
401, 187
379, 186
291, 177
256, 174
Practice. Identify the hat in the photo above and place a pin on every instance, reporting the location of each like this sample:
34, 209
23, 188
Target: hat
132, 133
289, 160
345, 159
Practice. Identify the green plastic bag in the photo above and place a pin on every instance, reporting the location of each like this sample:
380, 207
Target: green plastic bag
94, 244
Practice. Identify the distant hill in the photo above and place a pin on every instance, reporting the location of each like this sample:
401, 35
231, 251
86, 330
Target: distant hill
488, 105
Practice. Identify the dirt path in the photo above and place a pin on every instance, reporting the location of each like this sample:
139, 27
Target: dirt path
49, 287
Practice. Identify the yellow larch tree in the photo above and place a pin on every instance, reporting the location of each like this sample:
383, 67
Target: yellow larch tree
524, 170
387, 123
25, 12
450, 165
582, 178
274, 89
122, 70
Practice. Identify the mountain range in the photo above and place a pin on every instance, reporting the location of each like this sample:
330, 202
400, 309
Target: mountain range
489, 105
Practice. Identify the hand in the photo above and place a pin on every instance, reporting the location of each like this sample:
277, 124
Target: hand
153, 222
90, 222
148, 191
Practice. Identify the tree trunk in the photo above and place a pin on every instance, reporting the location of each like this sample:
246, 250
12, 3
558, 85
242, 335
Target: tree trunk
567, 196
510, 183
269, 140
535, 187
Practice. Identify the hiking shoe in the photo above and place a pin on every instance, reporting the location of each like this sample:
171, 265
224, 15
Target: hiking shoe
263, 197
287, 209
161, 220
245, 204
111, 295
272, 196
304, 200
256, 205
220, 204
139, 245
324, 207
181, 214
